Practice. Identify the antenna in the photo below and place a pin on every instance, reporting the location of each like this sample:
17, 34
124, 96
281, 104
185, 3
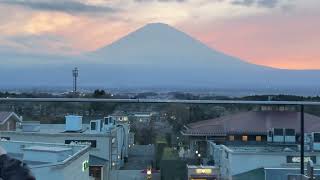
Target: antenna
75, 74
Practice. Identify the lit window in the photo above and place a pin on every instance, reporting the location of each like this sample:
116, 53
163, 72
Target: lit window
203, 171
231, 138
258, 138
244, 138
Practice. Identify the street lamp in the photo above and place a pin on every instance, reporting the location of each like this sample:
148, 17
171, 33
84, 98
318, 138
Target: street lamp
149, 173
199, 158
197, 151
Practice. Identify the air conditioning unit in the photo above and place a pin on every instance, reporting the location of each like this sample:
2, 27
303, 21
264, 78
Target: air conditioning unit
95, 126
289, 135
73, 123
316, 141
278, 135
109, 123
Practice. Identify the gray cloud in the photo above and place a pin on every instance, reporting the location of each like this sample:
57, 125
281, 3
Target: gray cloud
68, 6
243, 2
268, 3
47, 42
259, 3
160, 0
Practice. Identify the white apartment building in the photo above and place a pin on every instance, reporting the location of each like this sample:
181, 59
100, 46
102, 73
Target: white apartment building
108, 140
232, 160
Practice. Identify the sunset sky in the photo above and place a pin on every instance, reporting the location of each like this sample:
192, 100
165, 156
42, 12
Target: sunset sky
277, 33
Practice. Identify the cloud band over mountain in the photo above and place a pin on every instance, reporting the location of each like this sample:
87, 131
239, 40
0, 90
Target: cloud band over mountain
68, 6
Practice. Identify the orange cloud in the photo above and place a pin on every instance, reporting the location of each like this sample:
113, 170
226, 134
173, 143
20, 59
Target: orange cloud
278, 41
47, 22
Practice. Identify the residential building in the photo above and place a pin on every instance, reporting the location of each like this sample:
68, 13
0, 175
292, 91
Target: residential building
233, 161
120, 117
108, 140
142, 117
8, 121
250, 128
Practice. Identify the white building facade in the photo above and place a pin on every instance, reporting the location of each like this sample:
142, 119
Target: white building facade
235, 160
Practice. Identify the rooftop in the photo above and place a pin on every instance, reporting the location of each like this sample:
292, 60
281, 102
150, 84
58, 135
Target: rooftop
253, 122
28, 152
59, 129
263, 149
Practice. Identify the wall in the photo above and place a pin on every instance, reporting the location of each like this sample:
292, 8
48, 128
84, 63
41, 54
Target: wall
74, 169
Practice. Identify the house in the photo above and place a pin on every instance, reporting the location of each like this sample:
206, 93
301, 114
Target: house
250, 128
8, 121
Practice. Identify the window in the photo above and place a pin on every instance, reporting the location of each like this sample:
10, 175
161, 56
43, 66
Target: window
258, 138
290, 132
106, 120
316, 137
278, 132
93, 126
231, 138
244, 138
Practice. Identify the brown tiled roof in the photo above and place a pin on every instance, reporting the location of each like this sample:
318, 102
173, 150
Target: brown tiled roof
253, 122
4, 115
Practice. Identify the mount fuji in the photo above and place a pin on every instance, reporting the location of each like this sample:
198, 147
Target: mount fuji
159, 56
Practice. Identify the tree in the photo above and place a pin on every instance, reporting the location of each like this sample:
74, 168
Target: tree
99, 93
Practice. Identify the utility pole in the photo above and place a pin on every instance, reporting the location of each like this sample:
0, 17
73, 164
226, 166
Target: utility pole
75, 74
302, 139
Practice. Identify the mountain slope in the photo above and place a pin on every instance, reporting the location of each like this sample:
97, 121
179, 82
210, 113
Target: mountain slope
159, 56
162, 44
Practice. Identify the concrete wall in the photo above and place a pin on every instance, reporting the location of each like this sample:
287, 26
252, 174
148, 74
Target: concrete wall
74, 170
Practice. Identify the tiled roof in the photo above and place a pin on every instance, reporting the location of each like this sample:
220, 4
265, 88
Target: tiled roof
4, 116
253, 122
